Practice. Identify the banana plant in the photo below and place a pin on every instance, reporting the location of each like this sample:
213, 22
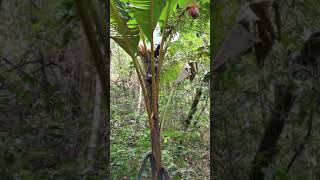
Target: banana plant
133, 22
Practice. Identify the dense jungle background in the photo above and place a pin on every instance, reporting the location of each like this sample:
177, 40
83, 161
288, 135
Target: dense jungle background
49, 94
265, 92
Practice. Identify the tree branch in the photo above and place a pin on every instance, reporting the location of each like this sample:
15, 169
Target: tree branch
302, 145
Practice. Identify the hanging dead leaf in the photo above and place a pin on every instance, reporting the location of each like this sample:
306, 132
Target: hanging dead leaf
238, 41
189, 70
241, 39
184, 74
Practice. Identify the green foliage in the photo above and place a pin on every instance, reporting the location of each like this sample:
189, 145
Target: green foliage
130, 135
126, 36
45, 121
244, 100
147, 14
167, 11
133, 141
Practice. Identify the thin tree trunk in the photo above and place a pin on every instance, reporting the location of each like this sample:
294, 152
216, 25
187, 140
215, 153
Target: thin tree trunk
196, 100
156, 149
75, 92
155, 137
101, 62
139, 100
95, 124
268, 145
45, 83
194, 107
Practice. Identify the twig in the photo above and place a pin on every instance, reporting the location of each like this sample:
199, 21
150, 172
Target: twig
23, 64
302, 145
95, 123
143, 165
203, 108
17, 68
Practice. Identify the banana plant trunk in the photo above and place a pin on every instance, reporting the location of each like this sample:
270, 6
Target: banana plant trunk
156, 163
156, 150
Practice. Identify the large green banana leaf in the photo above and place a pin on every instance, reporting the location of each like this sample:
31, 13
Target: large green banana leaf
147, 14
167, 11
124, 29
130, 16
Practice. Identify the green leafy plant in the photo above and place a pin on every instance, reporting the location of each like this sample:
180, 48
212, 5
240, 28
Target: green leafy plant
134, 21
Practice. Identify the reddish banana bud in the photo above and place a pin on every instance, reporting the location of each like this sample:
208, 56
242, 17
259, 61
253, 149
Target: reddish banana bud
193, 10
